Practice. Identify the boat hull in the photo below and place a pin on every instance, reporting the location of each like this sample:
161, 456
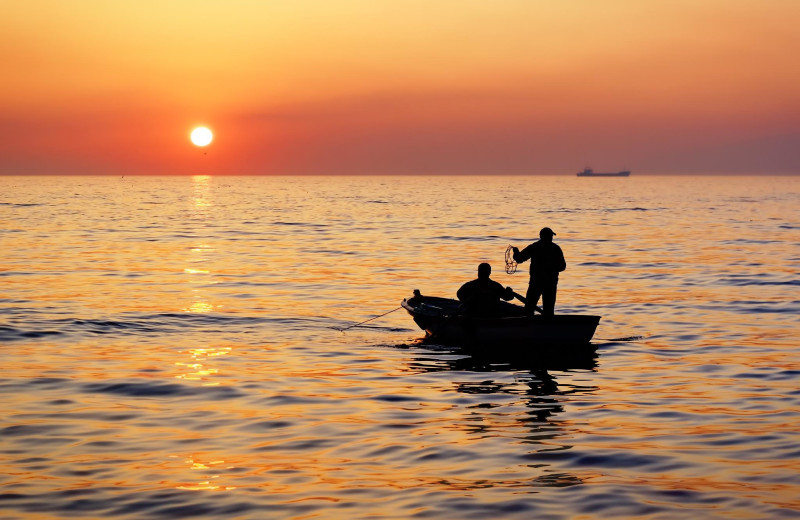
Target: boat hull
614, 174
514, 329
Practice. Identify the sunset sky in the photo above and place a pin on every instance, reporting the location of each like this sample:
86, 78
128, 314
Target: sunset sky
410, 87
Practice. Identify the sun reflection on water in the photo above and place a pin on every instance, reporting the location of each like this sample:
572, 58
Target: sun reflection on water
191, 350
197, 368
202, 190
200, 254
200, 307
211, 473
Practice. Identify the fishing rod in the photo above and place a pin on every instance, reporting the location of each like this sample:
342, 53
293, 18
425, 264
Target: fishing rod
525, 301
511, 268
340, 329
626, 339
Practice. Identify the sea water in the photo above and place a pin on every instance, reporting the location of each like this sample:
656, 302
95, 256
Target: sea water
169, 349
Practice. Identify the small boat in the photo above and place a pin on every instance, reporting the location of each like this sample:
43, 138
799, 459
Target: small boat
511, 328
588, 172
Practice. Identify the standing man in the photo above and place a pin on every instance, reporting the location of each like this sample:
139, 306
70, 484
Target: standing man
547, 260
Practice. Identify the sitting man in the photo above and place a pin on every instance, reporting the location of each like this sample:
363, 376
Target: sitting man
480, 297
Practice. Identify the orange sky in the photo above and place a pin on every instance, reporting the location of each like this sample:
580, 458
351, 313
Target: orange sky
426, 87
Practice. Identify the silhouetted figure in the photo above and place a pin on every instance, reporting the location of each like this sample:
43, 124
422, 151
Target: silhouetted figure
547, 260
481, 296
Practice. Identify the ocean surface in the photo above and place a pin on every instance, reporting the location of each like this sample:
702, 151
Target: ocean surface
170, 350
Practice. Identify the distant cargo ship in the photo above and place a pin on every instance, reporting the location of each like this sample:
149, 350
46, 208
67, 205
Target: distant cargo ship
588, 172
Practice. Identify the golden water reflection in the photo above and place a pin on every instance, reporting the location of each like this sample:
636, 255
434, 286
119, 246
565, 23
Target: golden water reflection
298, 412
201, 254
211, 471
198, 276
197, 368
201, 186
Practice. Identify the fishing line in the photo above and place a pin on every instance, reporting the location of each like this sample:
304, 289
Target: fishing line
365, 321
511, 265
627, 339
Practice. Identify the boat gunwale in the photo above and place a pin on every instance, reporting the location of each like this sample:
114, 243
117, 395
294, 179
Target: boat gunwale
522, 320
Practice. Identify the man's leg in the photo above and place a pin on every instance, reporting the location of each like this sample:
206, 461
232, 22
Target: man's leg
549, 298
532, 296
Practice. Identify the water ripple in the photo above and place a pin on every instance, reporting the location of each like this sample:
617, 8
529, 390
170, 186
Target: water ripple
168, 350
151, 389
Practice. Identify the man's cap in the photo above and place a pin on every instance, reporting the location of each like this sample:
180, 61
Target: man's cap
546, 231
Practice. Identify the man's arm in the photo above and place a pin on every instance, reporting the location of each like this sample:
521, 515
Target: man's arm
525, 254
465, 292
562, 264
498, 291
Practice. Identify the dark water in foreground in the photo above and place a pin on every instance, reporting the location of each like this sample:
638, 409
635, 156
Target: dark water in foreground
168, 349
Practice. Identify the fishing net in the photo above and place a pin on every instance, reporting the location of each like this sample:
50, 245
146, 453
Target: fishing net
511, 265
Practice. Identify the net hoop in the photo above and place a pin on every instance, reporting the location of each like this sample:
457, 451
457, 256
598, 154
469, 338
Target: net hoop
511, 265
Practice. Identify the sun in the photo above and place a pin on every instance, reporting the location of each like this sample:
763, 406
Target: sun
201, 136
